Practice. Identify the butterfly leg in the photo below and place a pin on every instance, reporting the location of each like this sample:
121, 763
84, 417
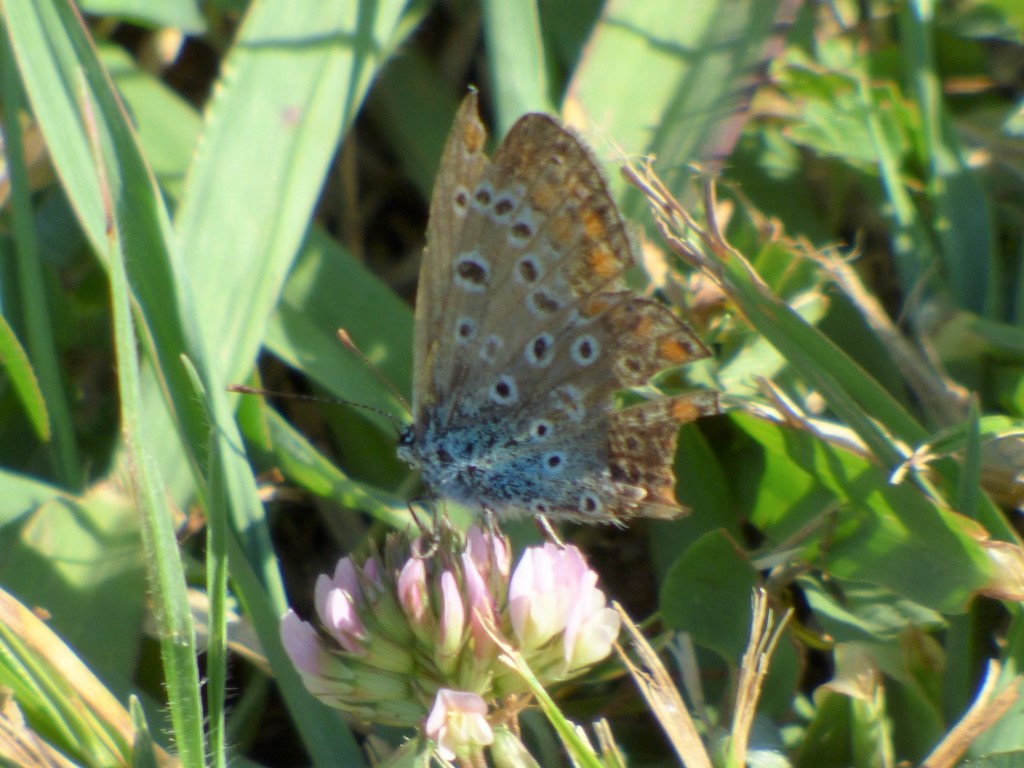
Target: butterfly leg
548, 531
491, 523
430, 535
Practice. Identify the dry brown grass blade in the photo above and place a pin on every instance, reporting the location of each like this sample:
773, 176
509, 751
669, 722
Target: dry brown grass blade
987, 708
764, 637
610, 752
68, 678
660, 692
19, 744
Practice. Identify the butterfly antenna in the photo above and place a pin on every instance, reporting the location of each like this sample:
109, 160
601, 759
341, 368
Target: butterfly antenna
387, 383
243, 389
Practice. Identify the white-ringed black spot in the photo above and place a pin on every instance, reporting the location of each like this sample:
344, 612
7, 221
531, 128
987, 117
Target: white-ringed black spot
465, 331
540, 350
539, 507
541, 429
585, 350
589, 504
483, 196
502, 209
542, 303
523, 228
554, 462
521, 232
472, 272
528, 270
490, 348
504, 391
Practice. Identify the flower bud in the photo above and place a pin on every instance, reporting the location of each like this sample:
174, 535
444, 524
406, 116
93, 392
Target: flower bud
453, 622
508, 751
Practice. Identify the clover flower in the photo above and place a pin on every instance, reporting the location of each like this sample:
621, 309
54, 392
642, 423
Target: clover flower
404, 640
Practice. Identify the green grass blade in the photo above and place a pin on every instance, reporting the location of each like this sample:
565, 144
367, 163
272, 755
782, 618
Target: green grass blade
518, 70
962, 219
167, 578
218, 513
969, 486
23, 378
410, 85
304, 465
662, 78
327, 290
46, 394
121, 210
295, 78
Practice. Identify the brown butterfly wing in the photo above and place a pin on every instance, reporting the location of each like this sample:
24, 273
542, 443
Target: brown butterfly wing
528, 331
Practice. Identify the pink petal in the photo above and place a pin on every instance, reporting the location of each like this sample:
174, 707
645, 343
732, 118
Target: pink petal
520, 590
581, 610
595, 639
321, 590
487, 551
301, 643
458, 722
342, 621
476, 587
345, 577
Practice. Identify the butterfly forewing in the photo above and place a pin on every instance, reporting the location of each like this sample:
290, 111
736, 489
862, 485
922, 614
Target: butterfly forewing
462, 164
531, 331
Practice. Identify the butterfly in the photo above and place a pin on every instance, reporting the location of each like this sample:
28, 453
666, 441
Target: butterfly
525, 330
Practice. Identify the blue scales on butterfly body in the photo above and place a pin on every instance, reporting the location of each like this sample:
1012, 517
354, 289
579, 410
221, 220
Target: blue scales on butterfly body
525, 331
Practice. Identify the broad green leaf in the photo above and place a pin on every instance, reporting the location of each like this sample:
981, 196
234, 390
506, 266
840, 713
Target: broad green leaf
852, 612
827, 739
702, 486
865, 529
82, 562
707, 593
328, 290
22, 494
